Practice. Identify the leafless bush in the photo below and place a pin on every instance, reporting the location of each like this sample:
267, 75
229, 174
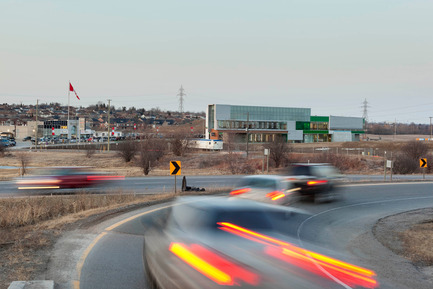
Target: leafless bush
24, 160
151, 151
2, 150
278, 150
229, 142
90, 150
342, 162
208, 162
404, 164
415, 150
127, 150
237, 164
180, 142
407, 161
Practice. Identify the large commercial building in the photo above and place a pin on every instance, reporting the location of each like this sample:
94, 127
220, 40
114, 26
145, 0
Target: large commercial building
264, 124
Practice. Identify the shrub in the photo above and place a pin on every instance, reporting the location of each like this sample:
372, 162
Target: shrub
127, 150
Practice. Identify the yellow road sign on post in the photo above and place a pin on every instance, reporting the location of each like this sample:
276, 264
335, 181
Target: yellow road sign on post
175, 167
422, 163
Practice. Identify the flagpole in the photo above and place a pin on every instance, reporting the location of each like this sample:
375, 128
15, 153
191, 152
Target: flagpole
69, 92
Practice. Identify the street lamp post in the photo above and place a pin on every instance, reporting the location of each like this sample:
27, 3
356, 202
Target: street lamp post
430, 128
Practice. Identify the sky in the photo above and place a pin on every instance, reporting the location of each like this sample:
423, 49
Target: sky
329, 56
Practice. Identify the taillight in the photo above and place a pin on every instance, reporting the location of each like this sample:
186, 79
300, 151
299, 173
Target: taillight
240, 191
275, 195
318, 182
213, 266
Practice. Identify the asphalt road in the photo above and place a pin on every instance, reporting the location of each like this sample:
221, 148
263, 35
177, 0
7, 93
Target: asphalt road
151, 185
109, 255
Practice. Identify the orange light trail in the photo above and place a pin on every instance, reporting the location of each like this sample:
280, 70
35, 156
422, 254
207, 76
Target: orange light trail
240, 191
212, 265
306, 259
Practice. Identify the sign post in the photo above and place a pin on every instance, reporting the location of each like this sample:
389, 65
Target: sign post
389, 165
423, 164
266, 153
175, 169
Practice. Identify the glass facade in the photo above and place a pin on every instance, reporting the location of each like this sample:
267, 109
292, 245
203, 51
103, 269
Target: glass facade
256, 125
263, 113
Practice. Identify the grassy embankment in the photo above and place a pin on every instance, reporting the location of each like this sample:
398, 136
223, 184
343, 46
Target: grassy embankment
30, 226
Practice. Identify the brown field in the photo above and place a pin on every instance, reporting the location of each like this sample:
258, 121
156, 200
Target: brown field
418, 243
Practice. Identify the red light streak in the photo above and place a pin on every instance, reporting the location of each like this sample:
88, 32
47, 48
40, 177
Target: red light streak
240, 191
212, 265
307, 260
313, 183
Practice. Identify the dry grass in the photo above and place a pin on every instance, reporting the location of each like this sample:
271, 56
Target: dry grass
30, 226
418, 243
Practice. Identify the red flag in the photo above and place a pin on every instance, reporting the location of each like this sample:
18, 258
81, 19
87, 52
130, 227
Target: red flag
72, 89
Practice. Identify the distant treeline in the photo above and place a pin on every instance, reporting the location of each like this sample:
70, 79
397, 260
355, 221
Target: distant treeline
397, 128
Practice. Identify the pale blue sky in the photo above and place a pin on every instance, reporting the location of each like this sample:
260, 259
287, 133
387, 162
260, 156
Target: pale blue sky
327, 55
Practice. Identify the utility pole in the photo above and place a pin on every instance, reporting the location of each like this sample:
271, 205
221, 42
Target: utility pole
108, 125
430, 128
181, 94
248, 136
36, 126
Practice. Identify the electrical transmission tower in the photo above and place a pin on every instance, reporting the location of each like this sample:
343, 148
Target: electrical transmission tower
181, 94
365, 107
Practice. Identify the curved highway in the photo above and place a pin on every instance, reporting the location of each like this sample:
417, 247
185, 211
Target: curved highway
109, 255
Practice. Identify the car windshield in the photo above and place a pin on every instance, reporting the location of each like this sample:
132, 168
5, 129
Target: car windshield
259, 183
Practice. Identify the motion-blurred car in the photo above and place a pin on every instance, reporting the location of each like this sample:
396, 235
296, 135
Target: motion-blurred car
210, 242
266, 188
316, 180
64, 177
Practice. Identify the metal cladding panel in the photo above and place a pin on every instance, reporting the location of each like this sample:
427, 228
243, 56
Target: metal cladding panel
341, 136
343, 122
291, 125
295, 135
222, 111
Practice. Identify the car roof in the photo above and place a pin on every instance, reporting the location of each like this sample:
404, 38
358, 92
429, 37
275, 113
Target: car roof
219, 203
265, 177
311, 164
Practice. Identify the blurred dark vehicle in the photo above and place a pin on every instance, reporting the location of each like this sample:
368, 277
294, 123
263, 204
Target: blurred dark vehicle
65, 177
316, 181
265, 188
217, 242
27, 138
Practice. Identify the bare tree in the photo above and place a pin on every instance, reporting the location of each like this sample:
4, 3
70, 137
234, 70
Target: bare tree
229, 142
180, 142
127, 150
415, 150
90, 150
24, 161
151, 150
278, 150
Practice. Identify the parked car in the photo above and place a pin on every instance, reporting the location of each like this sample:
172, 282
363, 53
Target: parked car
266, 188
27, 138
5, 142
317, 181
